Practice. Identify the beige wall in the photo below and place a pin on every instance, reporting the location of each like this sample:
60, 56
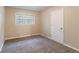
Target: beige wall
45, 16
1, 27
71, 26
14, 31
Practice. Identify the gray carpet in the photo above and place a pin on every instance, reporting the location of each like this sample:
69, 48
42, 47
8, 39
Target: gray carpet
34, 44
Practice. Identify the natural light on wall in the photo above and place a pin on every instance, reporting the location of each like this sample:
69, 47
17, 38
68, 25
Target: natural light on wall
23, 19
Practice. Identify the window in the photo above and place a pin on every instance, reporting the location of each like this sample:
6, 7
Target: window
25, 19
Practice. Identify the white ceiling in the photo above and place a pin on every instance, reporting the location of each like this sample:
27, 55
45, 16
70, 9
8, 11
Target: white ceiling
34, 8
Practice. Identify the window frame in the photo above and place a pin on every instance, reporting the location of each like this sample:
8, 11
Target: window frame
33, 20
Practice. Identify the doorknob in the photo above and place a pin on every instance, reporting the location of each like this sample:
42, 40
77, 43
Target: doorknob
61, 28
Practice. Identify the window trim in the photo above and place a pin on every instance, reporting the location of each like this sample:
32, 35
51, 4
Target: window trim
25, 15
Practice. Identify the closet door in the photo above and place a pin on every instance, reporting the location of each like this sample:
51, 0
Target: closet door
57, 25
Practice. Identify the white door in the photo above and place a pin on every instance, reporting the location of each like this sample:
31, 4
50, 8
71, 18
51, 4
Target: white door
57, 25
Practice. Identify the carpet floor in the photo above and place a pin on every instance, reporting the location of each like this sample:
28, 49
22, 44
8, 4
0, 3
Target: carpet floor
35, 44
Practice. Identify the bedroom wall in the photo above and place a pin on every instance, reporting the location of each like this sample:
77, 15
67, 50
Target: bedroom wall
2, 17
71, 26
14, 31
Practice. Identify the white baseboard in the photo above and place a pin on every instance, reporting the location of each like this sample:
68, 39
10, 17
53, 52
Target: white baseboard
21, 36
45, 36
71, 47
17, 37
62, 43
36, 34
